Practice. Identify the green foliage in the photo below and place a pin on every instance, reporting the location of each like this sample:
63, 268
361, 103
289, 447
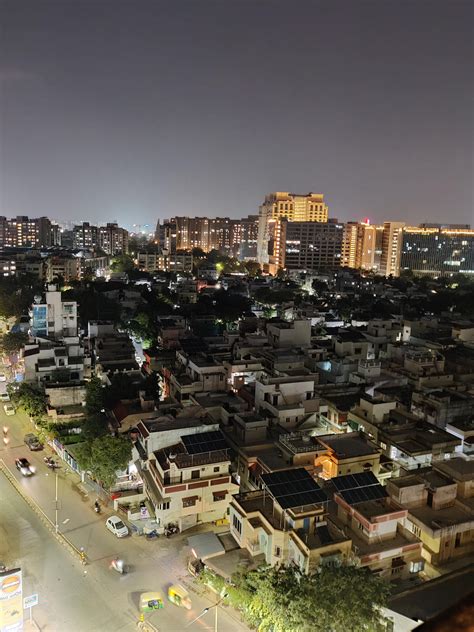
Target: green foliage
92, 305
12, 342
122, 264
272, 298
31, 398
95, 396
16, 295
252, 268
286, 600
104, 456
229, 306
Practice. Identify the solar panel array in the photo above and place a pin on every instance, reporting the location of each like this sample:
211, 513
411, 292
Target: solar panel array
293, 488
358, 488
204, 442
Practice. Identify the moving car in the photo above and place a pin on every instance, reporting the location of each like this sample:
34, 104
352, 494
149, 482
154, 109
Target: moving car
25, 467
116, 526
33, 442
9, 409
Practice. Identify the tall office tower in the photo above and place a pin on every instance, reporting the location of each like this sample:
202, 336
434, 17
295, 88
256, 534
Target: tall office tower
437, 251
85, 236
113, 240
391, 248
307, 245
361, 246
296, 208
165, 235
220, 234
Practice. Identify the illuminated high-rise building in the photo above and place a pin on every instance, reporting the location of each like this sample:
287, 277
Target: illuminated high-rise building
391, 248
293, 207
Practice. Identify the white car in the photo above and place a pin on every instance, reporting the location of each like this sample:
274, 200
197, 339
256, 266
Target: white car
9, 409
4, 397
3, 377
117, 527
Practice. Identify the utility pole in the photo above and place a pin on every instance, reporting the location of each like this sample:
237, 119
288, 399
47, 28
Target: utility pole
56, 526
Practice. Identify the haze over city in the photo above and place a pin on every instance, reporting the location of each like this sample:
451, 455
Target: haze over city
137, 111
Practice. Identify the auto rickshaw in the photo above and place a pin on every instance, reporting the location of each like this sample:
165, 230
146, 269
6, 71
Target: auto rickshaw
151, 601
179, 596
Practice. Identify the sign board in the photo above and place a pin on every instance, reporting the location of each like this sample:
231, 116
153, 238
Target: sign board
11, 612
29, 602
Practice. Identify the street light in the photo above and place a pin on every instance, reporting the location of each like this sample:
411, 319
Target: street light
206, 610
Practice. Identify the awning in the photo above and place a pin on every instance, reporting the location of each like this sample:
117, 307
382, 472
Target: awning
205, 545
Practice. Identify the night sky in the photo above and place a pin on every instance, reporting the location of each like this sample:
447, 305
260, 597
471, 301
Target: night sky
135, 110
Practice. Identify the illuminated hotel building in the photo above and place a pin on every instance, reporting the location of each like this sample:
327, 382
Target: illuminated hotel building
436, 251
293, 207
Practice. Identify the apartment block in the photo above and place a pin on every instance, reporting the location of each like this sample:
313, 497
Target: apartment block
189, 483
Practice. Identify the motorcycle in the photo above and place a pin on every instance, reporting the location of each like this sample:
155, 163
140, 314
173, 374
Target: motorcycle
171, 529
51, 463
97, 507
118, 565
152, 535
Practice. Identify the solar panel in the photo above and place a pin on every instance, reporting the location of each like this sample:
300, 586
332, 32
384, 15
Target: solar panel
204, 442
294, 488
352, 481
363, 494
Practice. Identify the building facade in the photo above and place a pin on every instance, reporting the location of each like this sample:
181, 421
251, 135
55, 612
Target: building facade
293, 207
307, 245
22, 231
391, 248
437, 251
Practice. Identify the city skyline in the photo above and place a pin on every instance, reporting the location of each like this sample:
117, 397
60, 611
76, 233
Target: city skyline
112, 114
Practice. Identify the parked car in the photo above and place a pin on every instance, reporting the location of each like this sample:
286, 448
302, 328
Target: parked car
25, 467
4, 397
116, 526
9, 409
3, 377
33, 442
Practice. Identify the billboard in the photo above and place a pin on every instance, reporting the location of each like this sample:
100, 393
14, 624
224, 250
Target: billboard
11, 604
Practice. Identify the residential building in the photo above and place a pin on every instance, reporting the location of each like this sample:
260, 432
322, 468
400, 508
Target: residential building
86, 236
437, 251
295, 208
349, 453
54, 318
189, 483
65, 267
286, 524
54, 361
376, 526
195, 374
22, 231
309, 246
112, 239
439, 505
392, 239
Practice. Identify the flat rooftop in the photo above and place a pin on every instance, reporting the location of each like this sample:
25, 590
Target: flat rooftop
458, 468
348, 445
441, 518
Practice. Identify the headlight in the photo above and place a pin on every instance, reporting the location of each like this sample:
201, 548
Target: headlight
32, 469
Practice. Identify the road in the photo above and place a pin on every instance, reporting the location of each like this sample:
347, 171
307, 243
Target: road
74, 598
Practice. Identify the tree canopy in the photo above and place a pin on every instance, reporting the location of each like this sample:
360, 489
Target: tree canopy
13, 341
333, 599
32, 398
104, 456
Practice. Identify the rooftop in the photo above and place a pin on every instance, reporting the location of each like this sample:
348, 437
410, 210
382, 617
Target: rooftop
436, 519
348, 445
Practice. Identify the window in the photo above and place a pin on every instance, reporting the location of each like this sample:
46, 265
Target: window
195, 474
217, 496
164, 506
277, 551
189, 502
457, 542
416, 567
416, 530
237, 524
217, 468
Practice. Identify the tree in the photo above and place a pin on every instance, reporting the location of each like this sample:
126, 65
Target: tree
95, 396
253, 269
330, 600
122, 263
31, 398
104, 457
12, 342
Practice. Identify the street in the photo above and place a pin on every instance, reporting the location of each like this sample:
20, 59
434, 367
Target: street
73, 598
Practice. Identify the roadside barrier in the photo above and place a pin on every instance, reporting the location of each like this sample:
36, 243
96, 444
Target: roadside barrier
78, 553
